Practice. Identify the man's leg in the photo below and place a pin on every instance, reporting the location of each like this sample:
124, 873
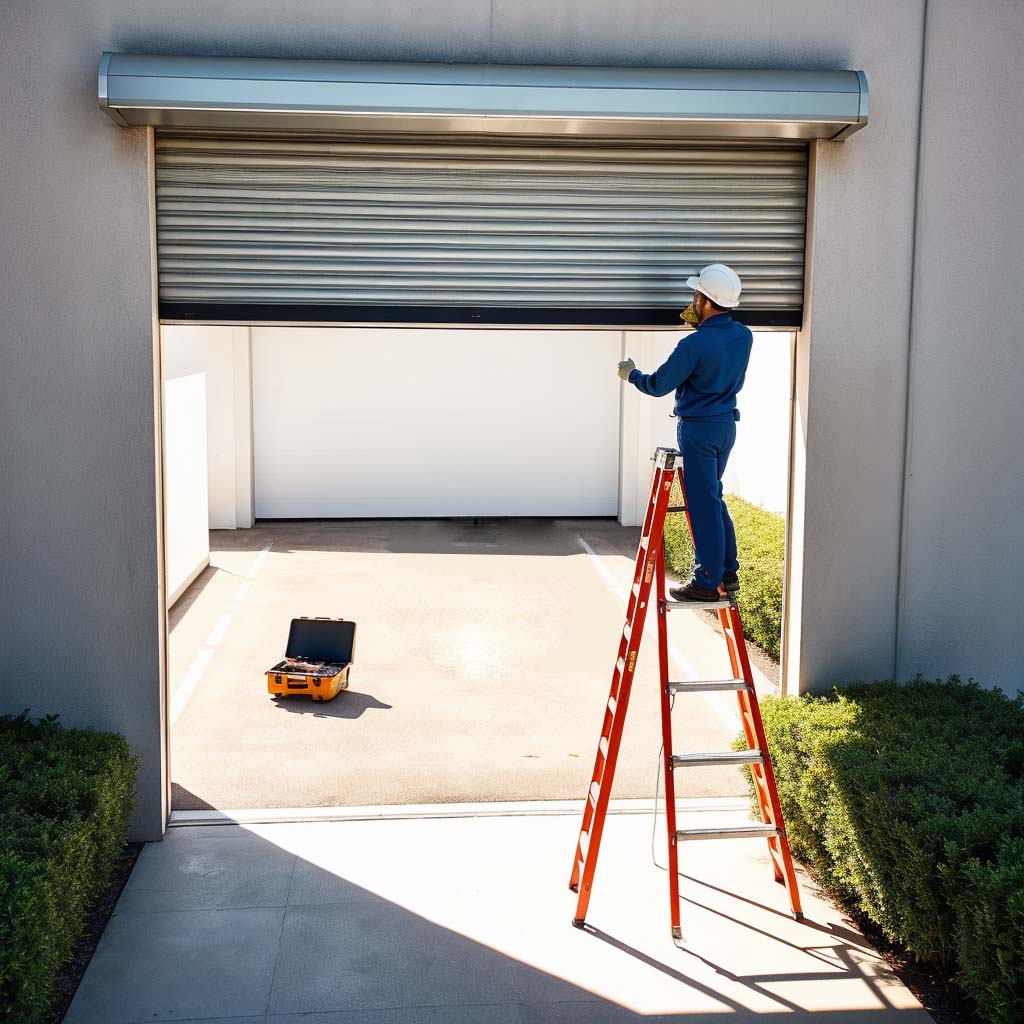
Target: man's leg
704, 500
731, 561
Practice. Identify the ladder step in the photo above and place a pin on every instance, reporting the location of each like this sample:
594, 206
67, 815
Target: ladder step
696, 606
612, 705
645, 542
703, 685
734, 832
725, 757
595, 792
584, 843
636, 589
620, 664
603, 746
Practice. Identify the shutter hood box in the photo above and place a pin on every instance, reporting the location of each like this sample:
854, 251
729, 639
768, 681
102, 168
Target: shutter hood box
247, 93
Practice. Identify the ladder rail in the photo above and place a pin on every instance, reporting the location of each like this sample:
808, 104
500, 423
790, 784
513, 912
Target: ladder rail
769, 794
596, 811
666, 748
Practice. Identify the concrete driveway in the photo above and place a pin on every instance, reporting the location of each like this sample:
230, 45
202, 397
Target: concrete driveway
466, 921
483, 659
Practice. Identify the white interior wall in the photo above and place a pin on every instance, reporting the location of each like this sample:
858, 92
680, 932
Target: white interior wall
758, 465
486, 422
223, 355
187, 535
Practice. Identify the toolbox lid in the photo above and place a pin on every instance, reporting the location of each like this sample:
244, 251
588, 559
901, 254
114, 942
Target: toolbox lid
321, 640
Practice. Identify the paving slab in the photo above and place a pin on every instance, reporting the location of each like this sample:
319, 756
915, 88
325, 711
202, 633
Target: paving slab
483, 660
459, 920
180, 965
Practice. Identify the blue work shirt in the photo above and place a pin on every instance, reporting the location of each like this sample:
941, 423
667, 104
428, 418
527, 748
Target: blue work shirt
705, 370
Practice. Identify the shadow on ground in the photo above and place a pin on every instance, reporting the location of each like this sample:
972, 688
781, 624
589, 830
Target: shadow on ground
353, 705
221, 923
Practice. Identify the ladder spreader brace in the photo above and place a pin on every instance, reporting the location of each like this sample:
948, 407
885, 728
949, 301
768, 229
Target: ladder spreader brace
650, 568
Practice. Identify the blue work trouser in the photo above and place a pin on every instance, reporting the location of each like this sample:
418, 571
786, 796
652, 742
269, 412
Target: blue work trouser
705, 447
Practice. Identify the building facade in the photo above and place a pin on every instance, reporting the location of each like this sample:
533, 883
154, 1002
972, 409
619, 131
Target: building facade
907, 419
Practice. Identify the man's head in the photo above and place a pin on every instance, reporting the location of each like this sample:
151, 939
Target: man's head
704, 307
716, 290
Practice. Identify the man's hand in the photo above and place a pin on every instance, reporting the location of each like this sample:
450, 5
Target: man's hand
626, 367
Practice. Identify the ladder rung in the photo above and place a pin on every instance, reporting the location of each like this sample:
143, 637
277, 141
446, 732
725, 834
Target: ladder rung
695, 606
676, 508
734, 832
725, 757
702, 685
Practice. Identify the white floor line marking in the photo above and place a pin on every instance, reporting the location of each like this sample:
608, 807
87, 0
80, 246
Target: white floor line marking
729, 718
189, 683
203, 657
602, 569
258, 561
218, 631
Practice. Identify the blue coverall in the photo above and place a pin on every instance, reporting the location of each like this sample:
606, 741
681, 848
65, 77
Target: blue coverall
706, 370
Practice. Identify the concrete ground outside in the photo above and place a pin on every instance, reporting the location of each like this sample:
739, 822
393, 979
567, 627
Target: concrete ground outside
483, 659
467, 921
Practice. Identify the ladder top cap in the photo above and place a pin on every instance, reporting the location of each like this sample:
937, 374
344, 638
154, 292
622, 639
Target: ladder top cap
665, 458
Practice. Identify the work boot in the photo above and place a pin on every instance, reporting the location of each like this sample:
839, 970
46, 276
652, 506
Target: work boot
691, 592
730, 582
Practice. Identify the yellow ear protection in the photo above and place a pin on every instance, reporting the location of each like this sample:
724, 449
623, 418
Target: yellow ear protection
688, 316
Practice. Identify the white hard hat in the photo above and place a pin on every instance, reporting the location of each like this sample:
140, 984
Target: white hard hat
721, 284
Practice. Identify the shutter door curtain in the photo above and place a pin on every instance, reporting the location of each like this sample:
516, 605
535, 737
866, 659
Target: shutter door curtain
303, 228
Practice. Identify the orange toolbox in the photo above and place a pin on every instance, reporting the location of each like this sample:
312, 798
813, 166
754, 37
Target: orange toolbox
317, 661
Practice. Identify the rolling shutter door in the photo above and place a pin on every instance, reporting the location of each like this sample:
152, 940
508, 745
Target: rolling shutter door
300, 227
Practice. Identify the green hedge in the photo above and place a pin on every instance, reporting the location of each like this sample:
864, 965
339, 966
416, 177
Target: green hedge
761, 541
909, 803
65, 799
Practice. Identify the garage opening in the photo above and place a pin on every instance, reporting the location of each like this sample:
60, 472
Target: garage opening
389, 396
481, 535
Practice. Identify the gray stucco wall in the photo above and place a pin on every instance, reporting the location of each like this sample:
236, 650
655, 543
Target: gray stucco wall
78, 569
963, 588
79, 529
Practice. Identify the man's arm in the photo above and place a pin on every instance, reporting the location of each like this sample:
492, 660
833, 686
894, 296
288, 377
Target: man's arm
673, 372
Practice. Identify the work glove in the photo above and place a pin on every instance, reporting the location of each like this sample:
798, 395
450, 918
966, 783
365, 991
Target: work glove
626, 367
689, 316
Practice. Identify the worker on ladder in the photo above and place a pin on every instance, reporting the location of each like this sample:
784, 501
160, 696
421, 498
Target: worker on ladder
706, 370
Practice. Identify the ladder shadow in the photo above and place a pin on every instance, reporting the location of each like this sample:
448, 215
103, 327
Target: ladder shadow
844, 953
848, 935
685, 979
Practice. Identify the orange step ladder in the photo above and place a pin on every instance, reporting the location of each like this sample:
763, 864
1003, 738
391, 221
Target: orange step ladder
650, 568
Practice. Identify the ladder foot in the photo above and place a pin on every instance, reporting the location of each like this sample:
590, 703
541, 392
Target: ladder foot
578, 922
798, 915
574, 888
677, 932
